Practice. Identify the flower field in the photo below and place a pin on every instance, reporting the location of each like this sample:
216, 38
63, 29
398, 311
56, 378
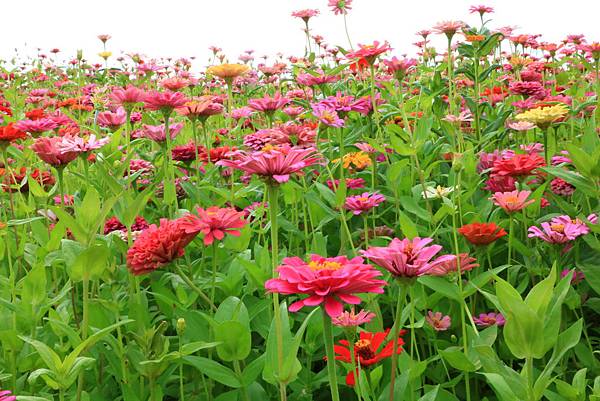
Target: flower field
347, 223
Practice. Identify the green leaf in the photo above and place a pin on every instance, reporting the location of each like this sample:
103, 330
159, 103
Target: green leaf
90, 264
214, 370
441, 285
457, 359
235, 341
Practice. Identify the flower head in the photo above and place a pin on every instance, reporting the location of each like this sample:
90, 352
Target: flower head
340, 6
328, 281
50, 150
489, 319
438, 321
228, 71
482, 233
214, 223
306, 14
165, 102
127, 97
363, 203
369, 52
268, 104
543, 117
481, 9
36, 126
512, 201
9, 133
112, 120
351, 319
6, 395
327, 115
448, 28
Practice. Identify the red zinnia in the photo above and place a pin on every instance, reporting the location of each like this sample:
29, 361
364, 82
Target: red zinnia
158, 246
519, 165
9, 133
482, 233
214, 223
367, 350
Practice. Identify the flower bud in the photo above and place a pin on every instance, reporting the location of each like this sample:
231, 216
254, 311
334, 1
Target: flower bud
181, 326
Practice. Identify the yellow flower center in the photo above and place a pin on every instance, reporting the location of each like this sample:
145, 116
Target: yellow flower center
324, 265
559, 228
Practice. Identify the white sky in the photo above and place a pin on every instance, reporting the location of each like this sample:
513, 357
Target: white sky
184, 28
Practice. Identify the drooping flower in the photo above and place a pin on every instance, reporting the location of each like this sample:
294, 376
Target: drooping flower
370, 349
446, 266
268, 104
577, 278
407, 258
399, 67
482, 233
276, 163
157, 132
328, 281
512, 201
438, 321
359, 204
489, 319
214, 223
157, 246
351, 319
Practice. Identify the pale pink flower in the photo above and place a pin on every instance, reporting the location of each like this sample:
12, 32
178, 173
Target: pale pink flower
157, 132
520, 125
351, 319
512, 201
449, 28
268, 104
112, 120
438, 321
340, 6
49, 150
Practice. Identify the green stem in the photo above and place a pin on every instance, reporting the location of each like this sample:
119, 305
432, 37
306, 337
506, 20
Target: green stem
238, 371
395, 334
331, 369
193, 286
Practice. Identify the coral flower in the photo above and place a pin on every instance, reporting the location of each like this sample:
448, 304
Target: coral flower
49, 150
351, 319
438, 321
489, 319
200, 109
276, 163
306, 14
228, 71
165, 102
363, 203
512, 201
328, 281
445, 266
369, 52
370, 349
448, 28
214, 223
407, 258
158, 246
112, 120
482, 233
9, 133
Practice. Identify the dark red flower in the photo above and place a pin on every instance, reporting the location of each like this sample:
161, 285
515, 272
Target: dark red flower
482, 233
368, 350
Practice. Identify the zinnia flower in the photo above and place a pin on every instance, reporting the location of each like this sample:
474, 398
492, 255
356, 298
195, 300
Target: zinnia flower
369, 52
6, 395
481, 233
158, 246
327, 115
36, 126
519, 165
276, 163
9, 133
438, 321
489, 319
49, 150
512, 201
127, 97
407, 258
214, 223
449, 28
351, 319
543, 117
340, 6
363, 203
228, 71
157, 132
112, 120
268, 104
328, 281
369, 350
165, 102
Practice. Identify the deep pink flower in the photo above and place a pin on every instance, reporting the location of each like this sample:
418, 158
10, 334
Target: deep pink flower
407, 258
214, 223
326, 280
363, 203
561, 229
165, 102
49, 150
36, 126
158, 246
277, 163
489, 319
327, 115
399, 67
577, 278
268, 104
561, 187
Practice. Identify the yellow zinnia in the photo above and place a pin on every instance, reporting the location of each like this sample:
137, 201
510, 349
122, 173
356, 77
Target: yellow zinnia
228, 71
544, 116
105, 55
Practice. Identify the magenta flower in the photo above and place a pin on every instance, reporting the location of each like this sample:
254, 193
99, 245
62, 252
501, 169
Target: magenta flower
359, 204
328, 281
214, 223
327, 115
438, 321
112, 120
157, 132
6, 395
165, 102
36, 126
277, 163
268, 104
343, 103
489, 319
399, 67
407, 258
561, 229
312, 80
577, 278
351, 319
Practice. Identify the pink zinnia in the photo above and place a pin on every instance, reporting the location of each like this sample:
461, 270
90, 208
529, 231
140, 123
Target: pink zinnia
49, 150
214, 223
340, 6
512, 201
369, 52
449, 265
449, 28
327, 115
276, 163
561, 229
306, 14
363, 203
127, 97
81, 145
112, 120
6, 395
438, 321
489, 319
351, 319
481, 9
407, 258
36, 126
158, 246
326, 280
268, 104
165, 102
157, 132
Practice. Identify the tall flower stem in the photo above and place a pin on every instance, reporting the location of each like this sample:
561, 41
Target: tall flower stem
213, 282
450, 77
168, 170
195, 288
346, 29
195, 135
395, 334
331, 370
273, 211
